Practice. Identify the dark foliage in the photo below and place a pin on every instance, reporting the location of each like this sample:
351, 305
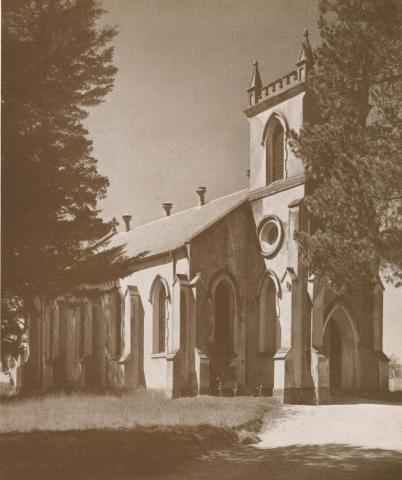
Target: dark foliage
352, 151
57, 63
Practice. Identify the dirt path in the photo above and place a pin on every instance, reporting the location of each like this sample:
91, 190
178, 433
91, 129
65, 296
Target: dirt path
337, 442
360, 425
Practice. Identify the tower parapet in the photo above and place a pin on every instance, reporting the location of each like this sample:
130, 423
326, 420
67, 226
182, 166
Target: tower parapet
259, 93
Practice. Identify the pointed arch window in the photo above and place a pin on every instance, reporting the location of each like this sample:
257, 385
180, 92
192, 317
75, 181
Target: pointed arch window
160, 314
269, 328
117, 325
114, 323
278, 137
49, 334
223, 316
96, 326
224, 353
275, 146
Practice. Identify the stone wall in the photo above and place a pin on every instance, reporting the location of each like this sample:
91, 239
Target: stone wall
228, 250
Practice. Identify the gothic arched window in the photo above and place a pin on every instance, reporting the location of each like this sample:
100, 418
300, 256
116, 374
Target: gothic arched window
183, 319
49, 334
223, 352
159, 302
115, 341
275, 150
269, 331
118, 326
223, 316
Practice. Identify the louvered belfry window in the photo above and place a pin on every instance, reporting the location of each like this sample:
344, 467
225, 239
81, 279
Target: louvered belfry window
277, 158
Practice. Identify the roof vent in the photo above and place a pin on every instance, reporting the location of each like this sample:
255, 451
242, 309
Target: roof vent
201, 191
167, 206
127, 220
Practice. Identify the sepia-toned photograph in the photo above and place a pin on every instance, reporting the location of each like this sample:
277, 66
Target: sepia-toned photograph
201, 240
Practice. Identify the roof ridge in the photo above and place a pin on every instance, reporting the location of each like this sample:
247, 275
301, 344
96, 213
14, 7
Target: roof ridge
164, 235
196, 207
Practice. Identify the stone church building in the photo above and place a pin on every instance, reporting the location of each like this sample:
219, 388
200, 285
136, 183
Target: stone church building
219, 301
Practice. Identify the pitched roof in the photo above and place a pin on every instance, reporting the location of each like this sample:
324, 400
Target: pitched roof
169, 233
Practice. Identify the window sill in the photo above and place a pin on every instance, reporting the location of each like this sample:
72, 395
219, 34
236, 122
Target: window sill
113, 358
158, 355
266, 353
125, 358
85, 358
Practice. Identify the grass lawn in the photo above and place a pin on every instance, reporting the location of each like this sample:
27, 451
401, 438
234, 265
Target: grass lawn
128, 411
86, 436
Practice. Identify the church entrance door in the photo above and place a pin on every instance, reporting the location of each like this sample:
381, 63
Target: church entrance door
222, 370
340, 346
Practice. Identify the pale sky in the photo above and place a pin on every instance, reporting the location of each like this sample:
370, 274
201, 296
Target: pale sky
174, 120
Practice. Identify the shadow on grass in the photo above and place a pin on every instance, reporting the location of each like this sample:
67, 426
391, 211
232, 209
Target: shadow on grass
101, 454
202, 453
315, 462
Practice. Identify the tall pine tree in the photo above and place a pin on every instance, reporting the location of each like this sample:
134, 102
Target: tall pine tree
57, 63
352, 151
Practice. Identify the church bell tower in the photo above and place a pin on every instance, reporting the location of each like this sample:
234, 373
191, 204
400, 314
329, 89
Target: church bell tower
277, 187
313, 342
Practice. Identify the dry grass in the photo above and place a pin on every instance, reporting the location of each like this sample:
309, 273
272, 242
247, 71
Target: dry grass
88, 436
128, 411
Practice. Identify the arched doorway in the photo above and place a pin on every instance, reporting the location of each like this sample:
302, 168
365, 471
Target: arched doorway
222, 357
341, 347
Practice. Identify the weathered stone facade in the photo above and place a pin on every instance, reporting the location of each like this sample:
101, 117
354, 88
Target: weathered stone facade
220, 300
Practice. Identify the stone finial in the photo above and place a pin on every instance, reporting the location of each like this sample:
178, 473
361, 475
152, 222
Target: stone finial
127, 220
305, 58
167, 206
201, 191
306, 52
114, 224
254, 89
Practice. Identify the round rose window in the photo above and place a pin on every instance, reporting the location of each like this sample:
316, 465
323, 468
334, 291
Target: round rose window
270, 236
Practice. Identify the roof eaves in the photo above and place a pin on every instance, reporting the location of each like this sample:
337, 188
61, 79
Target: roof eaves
156, 254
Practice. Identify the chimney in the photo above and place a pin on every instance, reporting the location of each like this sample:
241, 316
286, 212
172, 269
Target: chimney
127, 220
201, 191
167, 206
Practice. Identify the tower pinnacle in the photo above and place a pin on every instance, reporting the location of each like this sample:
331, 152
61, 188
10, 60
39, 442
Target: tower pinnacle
306, 53
254, 89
